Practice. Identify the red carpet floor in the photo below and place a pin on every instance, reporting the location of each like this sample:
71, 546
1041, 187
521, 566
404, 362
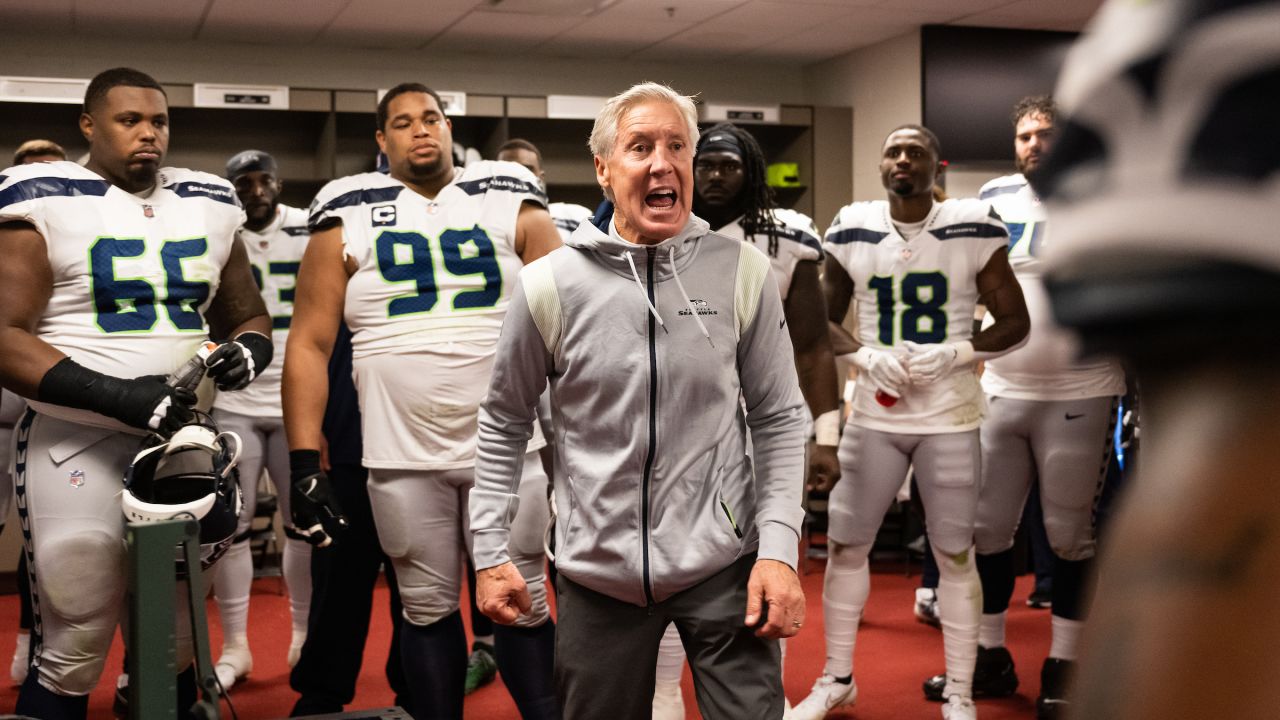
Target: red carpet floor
895, 653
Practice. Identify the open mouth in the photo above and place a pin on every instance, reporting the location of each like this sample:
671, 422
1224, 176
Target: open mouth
661, 200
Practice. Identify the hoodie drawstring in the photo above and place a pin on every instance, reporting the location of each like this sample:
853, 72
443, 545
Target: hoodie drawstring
636, 276
671, 258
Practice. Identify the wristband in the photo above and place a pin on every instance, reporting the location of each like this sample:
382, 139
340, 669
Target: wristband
964, 353
303, 463
826, 428
260, 349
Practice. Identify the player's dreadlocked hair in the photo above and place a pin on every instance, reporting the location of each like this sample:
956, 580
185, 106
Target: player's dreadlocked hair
1041, 105
757, 197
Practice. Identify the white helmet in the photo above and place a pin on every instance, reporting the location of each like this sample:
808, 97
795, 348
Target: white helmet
1163, 185
191, 474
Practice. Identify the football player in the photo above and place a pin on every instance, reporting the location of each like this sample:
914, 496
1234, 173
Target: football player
916, 268
33, 151
421, 264
567, 216
1162, 190
274, 237
732, 196
1050, 420
114, 275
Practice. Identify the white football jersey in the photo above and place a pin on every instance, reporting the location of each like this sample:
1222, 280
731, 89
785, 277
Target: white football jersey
132, 276
797, 241
925, 291
275, 253
568, 217
1046, 368
426, 304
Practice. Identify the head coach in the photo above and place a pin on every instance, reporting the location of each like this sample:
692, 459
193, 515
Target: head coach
664, 344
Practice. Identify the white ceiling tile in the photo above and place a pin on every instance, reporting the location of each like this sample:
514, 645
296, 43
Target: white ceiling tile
53, 17
560, 8
820, 43
679, 11
769, 18
701, 44
502, 33
603, 36
153, 18
947, 9
797, 31
273, 21
1037, 14
394, 23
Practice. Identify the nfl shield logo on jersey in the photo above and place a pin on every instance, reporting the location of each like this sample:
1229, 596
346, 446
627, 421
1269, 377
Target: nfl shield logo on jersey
77, 478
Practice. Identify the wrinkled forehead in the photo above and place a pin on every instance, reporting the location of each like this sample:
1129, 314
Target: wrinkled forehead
654, 117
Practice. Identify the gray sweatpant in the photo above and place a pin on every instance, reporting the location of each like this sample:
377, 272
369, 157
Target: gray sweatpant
606, 651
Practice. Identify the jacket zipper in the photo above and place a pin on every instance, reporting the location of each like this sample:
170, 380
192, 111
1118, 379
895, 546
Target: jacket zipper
653, 436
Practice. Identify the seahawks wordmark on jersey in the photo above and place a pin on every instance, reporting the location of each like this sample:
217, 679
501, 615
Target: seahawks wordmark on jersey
426, 303
132, 274
923, 290
1047, 367
797, 241
275, 254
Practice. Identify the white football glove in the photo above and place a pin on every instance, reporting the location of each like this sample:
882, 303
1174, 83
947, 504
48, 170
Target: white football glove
928, 363
882, 368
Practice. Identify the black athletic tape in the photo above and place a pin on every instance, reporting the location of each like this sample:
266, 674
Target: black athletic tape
260, 348
73, 385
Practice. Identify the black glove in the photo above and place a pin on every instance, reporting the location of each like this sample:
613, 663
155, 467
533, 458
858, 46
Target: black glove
235, 364
145, 402
313, 508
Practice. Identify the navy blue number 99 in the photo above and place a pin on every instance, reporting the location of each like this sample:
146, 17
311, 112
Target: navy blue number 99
464, 252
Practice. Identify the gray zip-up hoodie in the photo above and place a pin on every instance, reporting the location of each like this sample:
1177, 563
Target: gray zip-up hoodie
653, 488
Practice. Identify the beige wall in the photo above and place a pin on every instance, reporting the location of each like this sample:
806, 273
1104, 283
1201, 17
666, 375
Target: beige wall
351, 68
966, 180
10, 543
882, 84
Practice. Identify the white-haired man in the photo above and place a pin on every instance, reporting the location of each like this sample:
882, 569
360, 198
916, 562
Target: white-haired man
662, 516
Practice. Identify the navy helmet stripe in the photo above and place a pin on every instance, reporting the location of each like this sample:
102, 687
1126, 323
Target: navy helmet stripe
852, 235
1000, 190
364, 196
41, 187
221, 193
963, 230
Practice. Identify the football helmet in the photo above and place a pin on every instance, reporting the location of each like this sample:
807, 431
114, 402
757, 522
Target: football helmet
1163, 184
192, 473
